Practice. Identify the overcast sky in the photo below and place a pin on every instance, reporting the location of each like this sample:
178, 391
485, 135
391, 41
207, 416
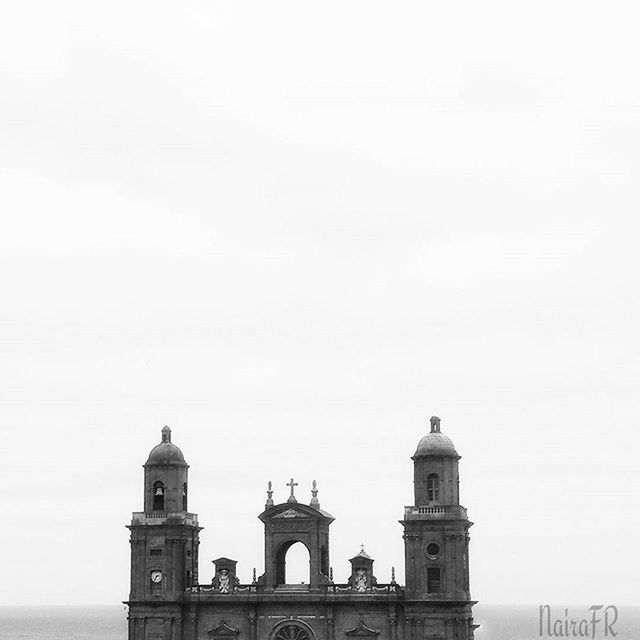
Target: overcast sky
293, 231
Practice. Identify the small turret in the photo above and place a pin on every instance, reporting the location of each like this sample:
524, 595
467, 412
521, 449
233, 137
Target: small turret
362, 578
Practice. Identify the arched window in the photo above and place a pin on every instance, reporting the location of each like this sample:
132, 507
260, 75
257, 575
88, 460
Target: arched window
433, 487
158, 496
184, 496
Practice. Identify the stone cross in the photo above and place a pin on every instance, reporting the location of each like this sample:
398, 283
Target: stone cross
292, 484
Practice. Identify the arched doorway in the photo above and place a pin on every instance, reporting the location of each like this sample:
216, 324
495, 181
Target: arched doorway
293, 563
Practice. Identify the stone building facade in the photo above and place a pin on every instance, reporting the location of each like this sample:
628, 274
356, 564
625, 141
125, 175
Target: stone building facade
167, 602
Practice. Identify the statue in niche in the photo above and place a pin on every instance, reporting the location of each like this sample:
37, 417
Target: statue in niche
361, 583
224, 581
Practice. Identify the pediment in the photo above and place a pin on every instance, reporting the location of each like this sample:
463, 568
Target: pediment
223, 631
224, 560
294, 510
362, 631
291, 513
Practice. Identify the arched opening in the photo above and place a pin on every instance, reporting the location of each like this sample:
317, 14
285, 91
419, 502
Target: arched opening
158, 496
184, 497
433, 487
293, 563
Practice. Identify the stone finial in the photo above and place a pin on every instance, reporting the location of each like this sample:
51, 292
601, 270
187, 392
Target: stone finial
435, 424
393, 575
314, 493
255, 580
166, 434
292, 497
331, 575
269, 502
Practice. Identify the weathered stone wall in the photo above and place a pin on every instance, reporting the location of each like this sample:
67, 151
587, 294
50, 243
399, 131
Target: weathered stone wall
324, 620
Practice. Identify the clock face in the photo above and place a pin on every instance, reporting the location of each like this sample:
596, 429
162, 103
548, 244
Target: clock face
156, 576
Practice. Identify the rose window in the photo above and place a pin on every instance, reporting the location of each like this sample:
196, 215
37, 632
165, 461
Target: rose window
292, 631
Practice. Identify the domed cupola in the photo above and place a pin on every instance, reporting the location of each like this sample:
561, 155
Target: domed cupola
435, 469
166, 453
165, 478
435, 443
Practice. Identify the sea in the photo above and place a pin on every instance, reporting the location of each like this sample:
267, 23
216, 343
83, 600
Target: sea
110, 623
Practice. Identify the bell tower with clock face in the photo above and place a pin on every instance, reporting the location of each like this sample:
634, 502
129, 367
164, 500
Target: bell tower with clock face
164, 537
436, 527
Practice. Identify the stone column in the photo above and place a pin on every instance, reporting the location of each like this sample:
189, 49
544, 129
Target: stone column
194, 624
138, 568
269, 561
331, 624
393, 626
314, 563
176, 628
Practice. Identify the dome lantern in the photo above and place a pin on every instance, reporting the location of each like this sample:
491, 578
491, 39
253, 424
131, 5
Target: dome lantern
166, 453
435, 443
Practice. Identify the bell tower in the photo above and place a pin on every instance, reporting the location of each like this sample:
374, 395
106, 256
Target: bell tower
164, 537
436, 527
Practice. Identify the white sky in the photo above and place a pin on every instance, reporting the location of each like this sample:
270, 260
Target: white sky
293, 231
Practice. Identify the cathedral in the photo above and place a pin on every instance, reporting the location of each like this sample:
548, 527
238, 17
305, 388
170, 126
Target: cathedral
167, 602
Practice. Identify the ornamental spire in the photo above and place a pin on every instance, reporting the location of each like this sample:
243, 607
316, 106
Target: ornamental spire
435, 424
166, 434
314, 493
269, 502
